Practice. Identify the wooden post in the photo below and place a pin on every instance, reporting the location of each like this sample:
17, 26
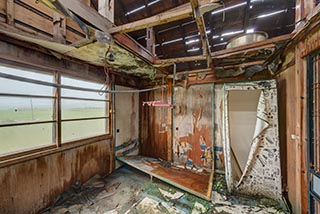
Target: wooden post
106, 9
10, 12
151, 41
57, 111
59, 28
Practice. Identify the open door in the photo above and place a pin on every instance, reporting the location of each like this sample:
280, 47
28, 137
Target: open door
250, 139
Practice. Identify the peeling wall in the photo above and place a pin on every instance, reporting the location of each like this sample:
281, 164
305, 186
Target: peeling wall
127, 120
31, 186
192, 120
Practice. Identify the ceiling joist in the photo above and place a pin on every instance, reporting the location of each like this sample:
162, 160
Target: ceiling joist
182, 12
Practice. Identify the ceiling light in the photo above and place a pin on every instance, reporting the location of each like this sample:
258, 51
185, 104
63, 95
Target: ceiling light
228, 8
192, 41
232, 33
251, 30
151, 3
219, 44
171, 41
221, 39
271, 14
208, 31
215, 36
193, 50
135, 10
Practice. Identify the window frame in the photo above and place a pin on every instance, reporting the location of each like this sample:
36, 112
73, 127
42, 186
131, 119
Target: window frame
57, 145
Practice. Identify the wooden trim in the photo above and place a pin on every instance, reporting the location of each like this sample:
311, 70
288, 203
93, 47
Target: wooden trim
45, 151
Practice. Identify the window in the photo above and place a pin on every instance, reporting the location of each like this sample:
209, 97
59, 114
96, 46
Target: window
26, 111
84, 114
29, 110
313, 90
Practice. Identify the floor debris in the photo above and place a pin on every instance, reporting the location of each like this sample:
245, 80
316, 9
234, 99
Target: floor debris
128, 191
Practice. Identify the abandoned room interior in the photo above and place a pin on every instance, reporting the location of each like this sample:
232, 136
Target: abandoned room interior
159, 106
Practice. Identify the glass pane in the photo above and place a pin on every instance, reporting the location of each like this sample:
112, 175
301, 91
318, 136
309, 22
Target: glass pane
16, 109
18, 87
82, 84
73, 109
76, 130
19, 138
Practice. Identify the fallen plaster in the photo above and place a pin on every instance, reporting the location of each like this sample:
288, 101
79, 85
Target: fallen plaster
127, 191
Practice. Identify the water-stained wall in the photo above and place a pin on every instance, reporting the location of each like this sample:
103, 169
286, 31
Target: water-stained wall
31, 186
192, 125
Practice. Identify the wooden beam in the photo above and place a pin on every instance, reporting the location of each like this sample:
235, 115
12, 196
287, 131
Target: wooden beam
253, 45
202, 30
182, 12
168, 62
269, 43
87, 13
151, 41
10, 12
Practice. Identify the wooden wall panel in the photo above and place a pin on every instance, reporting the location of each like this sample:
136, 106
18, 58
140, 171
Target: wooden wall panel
154, 127
31, 186
33, 19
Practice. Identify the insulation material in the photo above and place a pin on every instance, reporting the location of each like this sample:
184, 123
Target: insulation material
127, 116
262, 174
192, 143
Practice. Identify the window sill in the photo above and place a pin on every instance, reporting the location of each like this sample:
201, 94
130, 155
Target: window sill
20, 157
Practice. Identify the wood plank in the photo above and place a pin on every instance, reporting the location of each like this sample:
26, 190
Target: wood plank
72, 37
181, 12
3, 6
24, 31
202, 30
151, 41
33, 19
194, 183
127, 42
40, 7
10, 12
87, 13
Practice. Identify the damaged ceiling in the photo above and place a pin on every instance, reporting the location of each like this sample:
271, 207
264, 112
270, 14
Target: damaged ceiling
180, 36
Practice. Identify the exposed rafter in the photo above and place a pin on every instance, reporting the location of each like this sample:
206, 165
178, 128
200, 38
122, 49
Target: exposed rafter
202, 30
182, 12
